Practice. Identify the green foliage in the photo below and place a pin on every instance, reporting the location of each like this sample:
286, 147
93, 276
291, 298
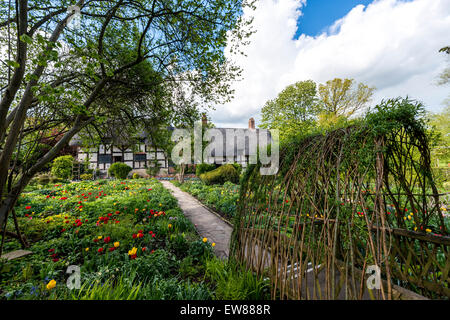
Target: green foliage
86, 176
188, 268
203, 168
221, 175
119, 170
341, 99
395, 114
62, 167
294, 110
45, 178
440, 150
238, 167
233, 282
122, 289
300, 109
200, 251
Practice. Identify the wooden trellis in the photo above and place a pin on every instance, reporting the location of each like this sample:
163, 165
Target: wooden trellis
342, 204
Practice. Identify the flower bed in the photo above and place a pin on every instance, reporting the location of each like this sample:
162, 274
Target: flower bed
128, 238
221, 198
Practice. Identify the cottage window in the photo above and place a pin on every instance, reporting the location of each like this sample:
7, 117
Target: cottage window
140, 157
104, 158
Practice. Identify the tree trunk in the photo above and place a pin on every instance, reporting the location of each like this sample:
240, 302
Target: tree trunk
181, 174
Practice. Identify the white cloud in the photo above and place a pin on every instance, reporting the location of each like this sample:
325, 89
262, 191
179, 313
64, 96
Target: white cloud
390, 44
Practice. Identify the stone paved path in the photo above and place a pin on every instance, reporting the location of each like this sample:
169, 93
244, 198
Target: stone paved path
15, 254
207, 223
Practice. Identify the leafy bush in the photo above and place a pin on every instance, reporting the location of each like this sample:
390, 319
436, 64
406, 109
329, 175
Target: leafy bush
45, 178
238, 167
203, 168
86, 176
221, 175
62, 167
119, 170
200, 250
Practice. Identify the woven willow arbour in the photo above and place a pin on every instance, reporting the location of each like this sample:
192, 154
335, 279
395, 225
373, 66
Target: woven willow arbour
342, 202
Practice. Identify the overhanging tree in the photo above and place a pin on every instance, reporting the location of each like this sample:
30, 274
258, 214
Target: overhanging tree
140, 59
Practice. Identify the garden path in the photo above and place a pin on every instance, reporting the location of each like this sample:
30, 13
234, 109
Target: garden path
208, 224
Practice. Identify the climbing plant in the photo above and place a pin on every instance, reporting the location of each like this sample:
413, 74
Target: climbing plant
354, 200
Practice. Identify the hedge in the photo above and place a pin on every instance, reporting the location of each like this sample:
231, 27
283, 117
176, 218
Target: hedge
221, 175
119, 170
62, 167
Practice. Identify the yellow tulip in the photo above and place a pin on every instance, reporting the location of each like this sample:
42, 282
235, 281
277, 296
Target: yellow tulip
213, 244
116, 244
132, 251
51, 284
170, 226
87, 249
205, 239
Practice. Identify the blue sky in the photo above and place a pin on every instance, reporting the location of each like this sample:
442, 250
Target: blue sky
320, 14
392, 45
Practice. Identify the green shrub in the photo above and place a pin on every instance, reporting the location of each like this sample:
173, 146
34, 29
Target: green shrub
221, 175
45, 178
119, 170
86, 176
188, 268
203, 168
238, 167
200, 250
62, 167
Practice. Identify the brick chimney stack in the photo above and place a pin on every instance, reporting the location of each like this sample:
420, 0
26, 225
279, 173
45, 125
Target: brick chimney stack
204, 120
251, 123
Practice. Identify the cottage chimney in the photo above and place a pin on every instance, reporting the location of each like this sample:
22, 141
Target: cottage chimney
204, 120
251, 123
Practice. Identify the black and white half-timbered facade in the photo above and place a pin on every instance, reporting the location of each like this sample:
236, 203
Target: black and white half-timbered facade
139, 157
142, 154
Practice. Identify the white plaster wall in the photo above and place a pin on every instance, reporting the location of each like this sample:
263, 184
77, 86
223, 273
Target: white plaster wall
128, 156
